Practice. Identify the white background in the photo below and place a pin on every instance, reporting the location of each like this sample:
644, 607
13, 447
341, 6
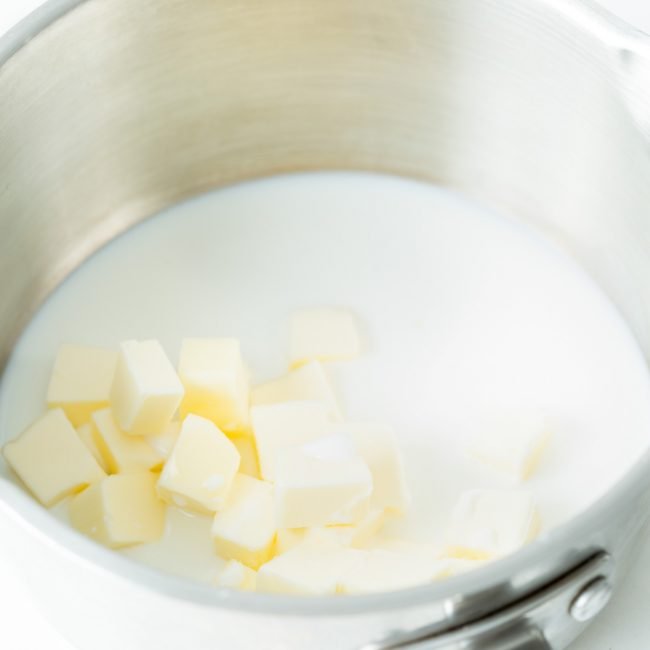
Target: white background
625, 625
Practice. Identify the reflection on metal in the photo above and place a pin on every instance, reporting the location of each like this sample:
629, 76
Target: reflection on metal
571, 600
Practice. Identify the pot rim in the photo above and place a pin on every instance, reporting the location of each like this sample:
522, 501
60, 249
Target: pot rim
20, 507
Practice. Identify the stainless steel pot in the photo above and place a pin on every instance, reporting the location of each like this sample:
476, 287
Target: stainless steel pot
113, 109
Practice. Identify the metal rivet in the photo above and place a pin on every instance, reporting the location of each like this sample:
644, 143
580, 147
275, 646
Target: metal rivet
591, 600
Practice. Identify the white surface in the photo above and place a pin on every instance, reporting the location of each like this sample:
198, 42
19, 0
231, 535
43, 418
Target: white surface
624, 626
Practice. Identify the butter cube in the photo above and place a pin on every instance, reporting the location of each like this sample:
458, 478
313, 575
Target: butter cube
51, 460
123, 453
244, 529
343, 536
323, 334
236, 575
306, 570
201, 468
88, 437
277, 426
216, 382
164, 442
81, 381
380, 571
249, 464
288, 538
321, 483
491, 523
360, 534
512, 443
307, 383
146, 391
377, 446
121, 510
323, 570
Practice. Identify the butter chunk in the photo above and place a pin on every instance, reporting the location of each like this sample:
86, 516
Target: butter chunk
307, 383
146, 391
512, 443
288, 538
360, 534
236, 575
51, 460
216, 382
321, 483
201, 468
123, 453
343, 536
323, 334
306, 570
491, 523
378, 447
88, 437
277, 426
121, 510
164, 442
244, 529
249, 464
323, 570
81, 381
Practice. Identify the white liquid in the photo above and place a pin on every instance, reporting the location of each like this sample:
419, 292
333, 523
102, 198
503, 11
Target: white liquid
463, 312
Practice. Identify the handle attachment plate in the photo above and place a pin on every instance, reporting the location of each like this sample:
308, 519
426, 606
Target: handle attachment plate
541, 621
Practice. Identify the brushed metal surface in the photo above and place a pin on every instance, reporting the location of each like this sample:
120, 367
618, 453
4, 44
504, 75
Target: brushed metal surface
540, 621
111, 110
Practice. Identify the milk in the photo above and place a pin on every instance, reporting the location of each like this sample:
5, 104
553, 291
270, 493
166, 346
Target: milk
462, 312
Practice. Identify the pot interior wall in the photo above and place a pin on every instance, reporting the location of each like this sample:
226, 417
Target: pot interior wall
116, 111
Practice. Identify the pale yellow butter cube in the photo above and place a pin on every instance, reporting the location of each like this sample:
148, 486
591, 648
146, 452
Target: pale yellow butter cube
318, 537
121, 510
323, 334
307, 383
513, 442
377, 445
244, 529
491, 523
216, 382
249, 464
288, 538
146, 391
123, 453
81, 381
360, 534
200, 470
236, 575
88, 437
321, 483
277, 426
343, 536
51, 460
308, 570
164, 442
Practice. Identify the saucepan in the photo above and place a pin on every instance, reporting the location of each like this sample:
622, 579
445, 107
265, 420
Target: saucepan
111, 110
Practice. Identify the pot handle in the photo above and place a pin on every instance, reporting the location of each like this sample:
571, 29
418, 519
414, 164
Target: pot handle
549, 618
515, 638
